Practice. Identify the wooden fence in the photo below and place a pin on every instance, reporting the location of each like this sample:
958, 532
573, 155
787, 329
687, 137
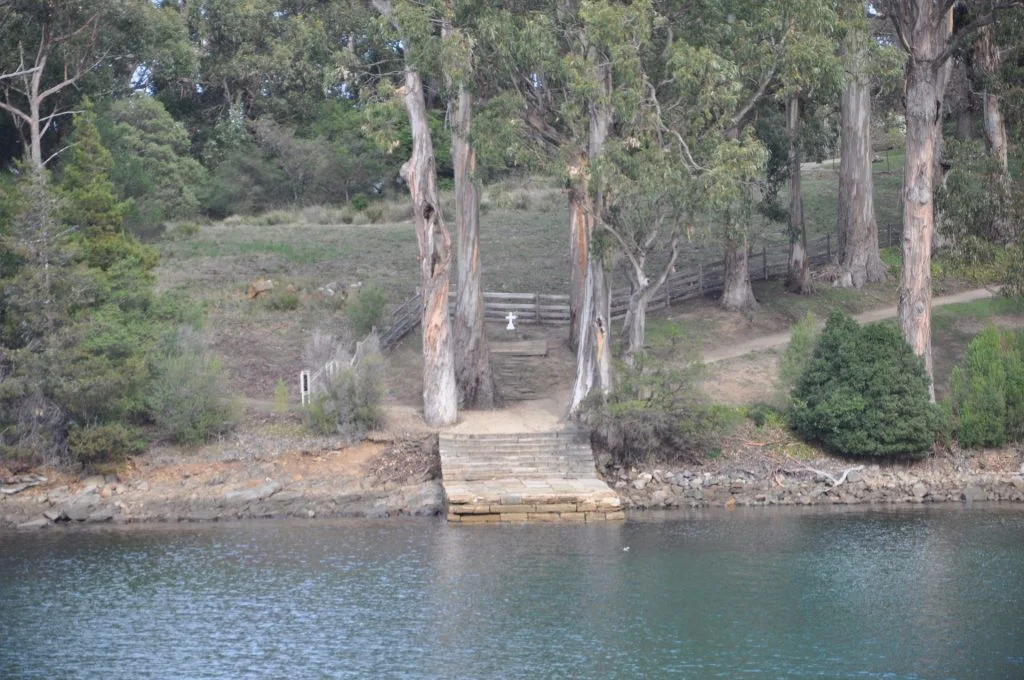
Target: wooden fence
685, 284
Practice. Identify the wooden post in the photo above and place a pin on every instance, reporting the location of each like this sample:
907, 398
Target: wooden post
700, 277
828, 246
764, 260
536, 308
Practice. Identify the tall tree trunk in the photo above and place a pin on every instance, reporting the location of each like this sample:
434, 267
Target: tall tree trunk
737, 295
440, 395
635, 323
927, 36
472, 359
799, 277
989, 59
593, 345
858, 230
581, 226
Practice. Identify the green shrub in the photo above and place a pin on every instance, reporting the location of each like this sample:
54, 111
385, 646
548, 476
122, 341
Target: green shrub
365, 311
657, 410
360, 202
797, 355
106, 443
347, 402
374, 214
987, 390
865, 393
186, 399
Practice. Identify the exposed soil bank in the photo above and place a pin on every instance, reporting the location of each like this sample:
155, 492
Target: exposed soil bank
367, 480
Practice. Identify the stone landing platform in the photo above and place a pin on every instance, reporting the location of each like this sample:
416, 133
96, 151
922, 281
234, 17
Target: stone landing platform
524, 477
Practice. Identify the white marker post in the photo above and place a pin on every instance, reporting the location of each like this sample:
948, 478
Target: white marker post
511, 318
304, 387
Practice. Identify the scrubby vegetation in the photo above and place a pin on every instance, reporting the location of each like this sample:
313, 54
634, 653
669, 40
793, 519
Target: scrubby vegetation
657, 410
987, 390
347, 397
864, 393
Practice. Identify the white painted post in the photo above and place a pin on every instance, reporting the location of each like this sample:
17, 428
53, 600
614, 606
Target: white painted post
304, 388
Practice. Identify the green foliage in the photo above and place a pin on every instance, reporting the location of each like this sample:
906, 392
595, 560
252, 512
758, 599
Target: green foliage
365, 311
186, 398
657, 410
981, 211
987, 390
797, 355
107, 443
864, 393
348, 401
90, 201
79, 322
152, 168
360, 202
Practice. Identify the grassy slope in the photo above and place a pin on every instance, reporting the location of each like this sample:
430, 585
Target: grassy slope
524, 248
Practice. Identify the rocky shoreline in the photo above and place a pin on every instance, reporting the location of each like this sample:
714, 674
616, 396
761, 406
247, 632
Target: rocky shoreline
403, 482
805, 486
99, 500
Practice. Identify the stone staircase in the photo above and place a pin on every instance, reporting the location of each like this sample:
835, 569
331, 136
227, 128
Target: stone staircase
524, 477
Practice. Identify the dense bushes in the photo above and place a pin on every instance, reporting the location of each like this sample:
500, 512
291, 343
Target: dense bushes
657, 410
79, 319
347, 399
152, 171
987, 390
865, 393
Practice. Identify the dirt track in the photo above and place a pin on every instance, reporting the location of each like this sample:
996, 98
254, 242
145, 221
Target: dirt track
781, 339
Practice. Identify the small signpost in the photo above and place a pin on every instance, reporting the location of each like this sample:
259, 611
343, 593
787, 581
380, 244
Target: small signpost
511, 318
304, 388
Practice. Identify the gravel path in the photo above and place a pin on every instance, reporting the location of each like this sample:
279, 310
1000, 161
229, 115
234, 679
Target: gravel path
781, 339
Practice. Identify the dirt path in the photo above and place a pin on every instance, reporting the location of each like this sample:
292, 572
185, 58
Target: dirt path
781, 339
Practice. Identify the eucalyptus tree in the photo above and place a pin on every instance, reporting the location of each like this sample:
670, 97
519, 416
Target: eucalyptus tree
770, 49
53, 50
414, 29
473, 375
857, 228
925, 32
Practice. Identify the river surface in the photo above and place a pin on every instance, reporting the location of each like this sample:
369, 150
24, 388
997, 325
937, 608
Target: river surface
922, 593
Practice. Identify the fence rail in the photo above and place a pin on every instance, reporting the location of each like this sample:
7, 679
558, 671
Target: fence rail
685, 284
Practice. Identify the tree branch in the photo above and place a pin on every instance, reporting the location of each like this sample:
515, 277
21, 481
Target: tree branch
832, 480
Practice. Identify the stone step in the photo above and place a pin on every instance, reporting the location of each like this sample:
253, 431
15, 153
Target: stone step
529, 476
502, 455
446, 437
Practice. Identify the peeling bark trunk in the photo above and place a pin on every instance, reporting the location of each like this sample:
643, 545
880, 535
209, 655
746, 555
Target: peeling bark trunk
995, 130
593, 346
581, 226
585, 360
473, 375
440, 396
799, 278
927, 37
858, 230
738, 295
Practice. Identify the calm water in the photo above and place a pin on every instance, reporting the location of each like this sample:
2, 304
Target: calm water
909, 594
